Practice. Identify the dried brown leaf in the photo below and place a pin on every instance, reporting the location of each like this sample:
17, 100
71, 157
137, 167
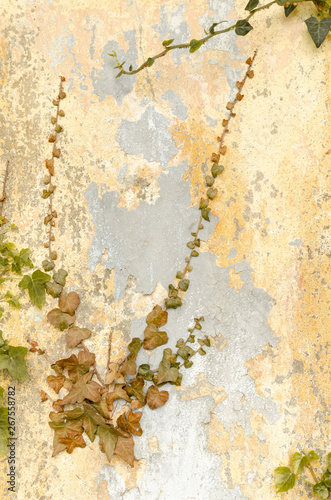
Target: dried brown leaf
129, 422
124, 448
157, 317
84, 388
59, 319
153, 337
69, 303
56, 383
156, 398
75, 335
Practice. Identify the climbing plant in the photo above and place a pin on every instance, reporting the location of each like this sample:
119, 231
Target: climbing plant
318, 29
107, 408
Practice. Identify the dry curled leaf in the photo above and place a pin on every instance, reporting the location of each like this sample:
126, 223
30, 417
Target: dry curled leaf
153, 337
113, 374
77, 366
69, 303
75, 335
124, 448
157, 317
118, 393
156, 398
56, 383
72, 441
225, 122
44, 396
129, 422
84, 388
215, 158
223, 150
60, 319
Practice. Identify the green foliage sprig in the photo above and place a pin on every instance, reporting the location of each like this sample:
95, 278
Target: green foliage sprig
318, 31
286, 478
108, 408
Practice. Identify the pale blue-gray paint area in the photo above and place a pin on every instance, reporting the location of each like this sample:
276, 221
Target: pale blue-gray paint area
296, 242
148, 243
184, 469
148, 136
176, 104
105, 82
211, 122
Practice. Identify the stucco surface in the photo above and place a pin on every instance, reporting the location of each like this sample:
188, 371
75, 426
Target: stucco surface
134, 154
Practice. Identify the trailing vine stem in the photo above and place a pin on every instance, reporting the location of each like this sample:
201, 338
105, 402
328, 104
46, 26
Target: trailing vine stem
200, 41
216, 170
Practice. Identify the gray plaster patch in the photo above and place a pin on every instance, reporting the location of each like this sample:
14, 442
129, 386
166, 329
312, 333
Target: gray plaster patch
242, 319
176, 103
173, 25
148, 136
105, 82
211, 122
184, 469
149, 242
233, 253
296, 242
226, 41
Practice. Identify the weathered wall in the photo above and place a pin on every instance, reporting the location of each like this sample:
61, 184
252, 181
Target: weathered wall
134, 153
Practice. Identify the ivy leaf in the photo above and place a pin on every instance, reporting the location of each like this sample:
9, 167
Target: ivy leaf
84, 388
284, 479
60, 319
53, 289
157, 317
91, 419
154, 338
69, 303
134, 347
13, 360
243, 27
72, 441
124, 448
36, 287
129, 422
318, 29
135, 388
75, 335
185, 352
289, 9
252, 4
118, 393
166, 43
150, 61
156, 398
195, 45
4, 431
320, 490
145, 372
56, 383
77, 366
107, 440
60, 432
312, 455
281, 2
166, 372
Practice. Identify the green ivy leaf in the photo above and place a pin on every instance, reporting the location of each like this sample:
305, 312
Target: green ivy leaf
299, 462
4, 431
327, 478
312, 456
252, 4
36, 287
289, 9
321, 491
243, 27
318, 29
284, 479
150, 61
195, 45
281, 2
1, 394
185, 352
166, 43
13, 360
145, 372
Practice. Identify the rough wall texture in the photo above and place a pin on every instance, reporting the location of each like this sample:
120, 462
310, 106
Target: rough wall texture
135, 150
